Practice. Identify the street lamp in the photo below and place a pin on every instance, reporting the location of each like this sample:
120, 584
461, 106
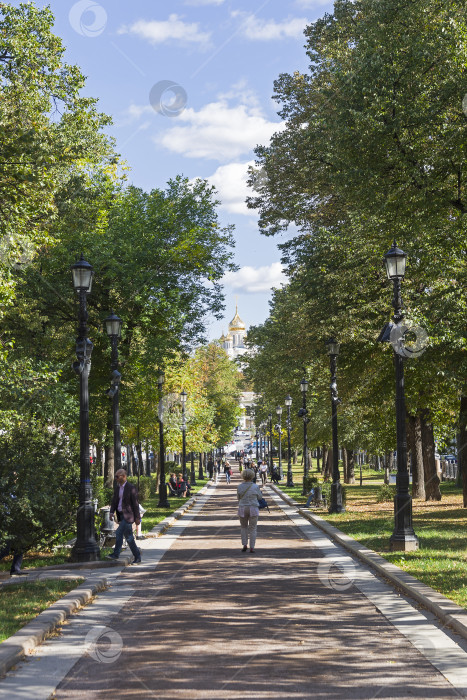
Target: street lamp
279, 428
113, 327
271, 463
403, 538
257, 434
86, 547
183, 396
163, 500
303, 413
288, 403
336, 489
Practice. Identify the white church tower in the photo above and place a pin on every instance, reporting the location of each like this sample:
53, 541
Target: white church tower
233, 342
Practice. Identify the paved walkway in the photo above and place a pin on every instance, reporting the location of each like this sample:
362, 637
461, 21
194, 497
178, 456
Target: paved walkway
201, 619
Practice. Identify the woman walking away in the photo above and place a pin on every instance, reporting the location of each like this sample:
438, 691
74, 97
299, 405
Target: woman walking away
248, 511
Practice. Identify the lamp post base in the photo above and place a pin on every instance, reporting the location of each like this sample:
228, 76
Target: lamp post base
336, 505
163, 500
88, 551
403, 543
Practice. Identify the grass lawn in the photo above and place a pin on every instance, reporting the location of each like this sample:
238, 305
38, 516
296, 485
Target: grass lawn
441, 526
21, 602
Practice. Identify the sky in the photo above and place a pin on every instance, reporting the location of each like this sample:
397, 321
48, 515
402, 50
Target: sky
189, 85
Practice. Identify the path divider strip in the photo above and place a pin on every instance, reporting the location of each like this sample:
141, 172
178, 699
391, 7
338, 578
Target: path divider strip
446, 610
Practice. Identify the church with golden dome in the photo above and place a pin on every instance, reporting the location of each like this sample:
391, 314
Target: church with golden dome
233, 342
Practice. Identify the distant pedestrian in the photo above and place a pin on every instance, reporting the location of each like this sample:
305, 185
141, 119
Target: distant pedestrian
263, 471
227, 472
210, 468
126, 507
248, 494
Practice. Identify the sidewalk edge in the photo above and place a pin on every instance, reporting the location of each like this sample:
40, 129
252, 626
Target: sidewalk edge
446, 610
13, 649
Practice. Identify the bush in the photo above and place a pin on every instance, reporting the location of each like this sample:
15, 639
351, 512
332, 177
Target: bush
39, 485
310, 482
101, 492
146, 486
326, 491
385, 493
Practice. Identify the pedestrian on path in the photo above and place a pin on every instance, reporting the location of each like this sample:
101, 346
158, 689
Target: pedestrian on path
126, 507
248, 494
227, 472
263, 470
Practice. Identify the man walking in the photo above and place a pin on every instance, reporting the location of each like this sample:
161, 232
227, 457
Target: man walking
125, 505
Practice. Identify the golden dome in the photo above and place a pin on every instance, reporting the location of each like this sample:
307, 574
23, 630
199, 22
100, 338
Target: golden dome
236, 324
229, 336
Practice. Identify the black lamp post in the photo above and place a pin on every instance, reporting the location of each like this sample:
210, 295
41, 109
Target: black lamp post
271, 462
257, 446
86, 547
200, 469
288, 403
163, 500
113, 327
303, 413
183, 396
403, 538
336, 488
279, 428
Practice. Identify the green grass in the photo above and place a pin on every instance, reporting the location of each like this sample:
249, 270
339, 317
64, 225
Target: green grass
21, 602
441, 526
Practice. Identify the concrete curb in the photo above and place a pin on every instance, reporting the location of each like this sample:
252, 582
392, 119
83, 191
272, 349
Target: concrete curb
13, 649
28, 637
446, 610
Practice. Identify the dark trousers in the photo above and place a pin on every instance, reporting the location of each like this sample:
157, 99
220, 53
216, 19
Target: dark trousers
17, 558
125, 529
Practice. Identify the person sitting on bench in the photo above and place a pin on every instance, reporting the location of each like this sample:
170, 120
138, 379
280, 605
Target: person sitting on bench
172, 485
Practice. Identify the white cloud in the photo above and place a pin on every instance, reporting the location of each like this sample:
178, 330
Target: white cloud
267, 30
218, 131
256, 279
173, 29
230, 183
315, 4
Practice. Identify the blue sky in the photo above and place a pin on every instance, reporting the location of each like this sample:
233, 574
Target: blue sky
188, 84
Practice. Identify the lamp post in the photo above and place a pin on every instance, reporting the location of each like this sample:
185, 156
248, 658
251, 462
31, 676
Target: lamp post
288, 403
200, 469
303, 413
271, 463
183, 396
279, 428
336, 488
113, 327
257, 434
86, 547
403, 538
163, 500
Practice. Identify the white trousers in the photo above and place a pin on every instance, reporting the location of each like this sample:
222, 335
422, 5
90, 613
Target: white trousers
248, 525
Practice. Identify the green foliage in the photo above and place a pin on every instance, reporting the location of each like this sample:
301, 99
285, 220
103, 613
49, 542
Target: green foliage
39, 481
146, 487
310, 482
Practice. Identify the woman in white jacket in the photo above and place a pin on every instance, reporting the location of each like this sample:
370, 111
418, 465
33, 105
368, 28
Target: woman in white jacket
248, 511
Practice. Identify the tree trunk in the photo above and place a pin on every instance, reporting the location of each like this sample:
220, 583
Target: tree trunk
389, 466
294, 457
432, 490
148, 461
325, 460
350, 466
317, 458
99, 465
140, 458
129, 459
344, 465
328, 469
414, 437
109, 473
462, 446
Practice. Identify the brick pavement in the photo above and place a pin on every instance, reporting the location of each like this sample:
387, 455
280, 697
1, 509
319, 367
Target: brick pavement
213, 622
